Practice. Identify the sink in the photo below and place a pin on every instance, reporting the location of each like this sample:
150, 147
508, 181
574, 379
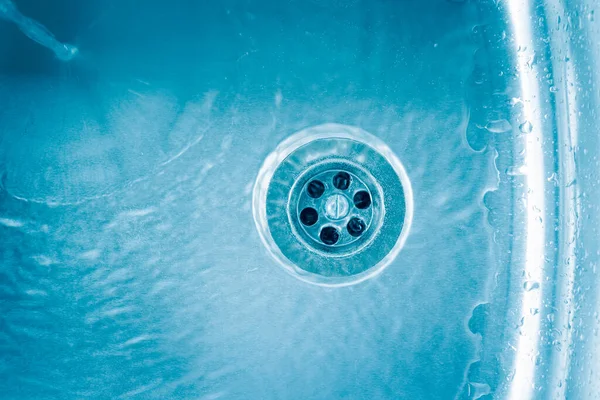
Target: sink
132, 137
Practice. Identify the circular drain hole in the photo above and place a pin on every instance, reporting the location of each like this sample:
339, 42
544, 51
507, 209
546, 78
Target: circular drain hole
362, 199
329, 235
341, 180
333, 205
356, 227
309, 216
315, 189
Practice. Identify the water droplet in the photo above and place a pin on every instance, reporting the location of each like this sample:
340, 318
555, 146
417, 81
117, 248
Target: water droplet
477, 390
531, 61
531, 285
553, 89
510, 376
526, 127
554, 179
534, 311
515, 170
498, 126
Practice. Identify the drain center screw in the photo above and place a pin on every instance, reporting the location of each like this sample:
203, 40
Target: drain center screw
336, 207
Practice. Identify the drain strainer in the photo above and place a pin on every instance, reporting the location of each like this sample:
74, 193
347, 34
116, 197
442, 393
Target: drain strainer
333, 205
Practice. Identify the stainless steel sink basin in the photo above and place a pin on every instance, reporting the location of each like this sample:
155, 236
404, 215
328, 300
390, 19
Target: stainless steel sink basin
131, 137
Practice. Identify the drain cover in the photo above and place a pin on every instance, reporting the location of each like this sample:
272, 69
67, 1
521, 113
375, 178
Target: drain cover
333, 205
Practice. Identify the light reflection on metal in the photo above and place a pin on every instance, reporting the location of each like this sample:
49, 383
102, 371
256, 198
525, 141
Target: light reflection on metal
570, 208
522, 385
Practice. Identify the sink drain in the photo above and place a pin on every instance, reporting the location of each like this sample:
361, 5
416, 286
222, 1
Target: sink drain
333, 205
337, 218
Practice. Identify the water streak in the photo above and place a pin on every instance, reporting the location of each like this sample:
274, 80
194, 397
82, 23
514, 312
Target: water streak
36, 31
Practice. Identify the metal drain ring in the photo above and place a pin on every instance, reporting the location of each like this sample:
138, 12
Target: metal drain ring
299, 199
323, 150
